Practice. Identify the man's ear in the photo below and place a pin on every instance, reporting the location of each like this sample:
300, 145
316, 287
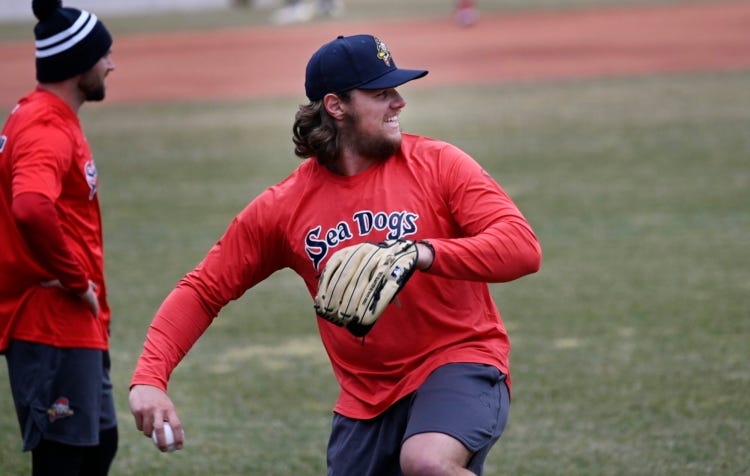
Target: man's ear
334, 106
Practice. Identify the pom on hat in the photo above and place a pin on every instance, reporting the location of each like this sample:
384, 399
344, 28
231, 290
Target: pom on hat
68, 41
44, 9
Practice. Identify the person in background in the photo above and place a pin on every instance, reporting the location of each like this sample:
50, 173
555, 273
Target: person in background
54, 317
426, 388
298, 11
465, 12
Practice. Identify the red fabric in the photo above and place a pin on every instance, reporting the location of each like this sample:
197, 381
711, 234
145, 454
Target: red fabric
429, 191
37, 221
178, 324
45, 159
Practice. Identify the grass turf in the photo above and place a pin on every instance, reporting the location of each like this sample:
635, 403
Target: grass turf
630, 345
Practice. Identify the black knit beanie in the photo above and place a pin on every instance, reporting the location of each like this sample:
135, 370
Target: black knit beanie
68, 41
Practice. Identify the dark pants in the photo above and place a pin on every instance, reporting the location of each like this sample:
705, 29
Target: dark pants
468, 402
65, 407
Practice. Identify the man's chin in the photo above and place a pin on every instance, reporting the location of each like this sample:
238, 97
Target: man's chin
93, 94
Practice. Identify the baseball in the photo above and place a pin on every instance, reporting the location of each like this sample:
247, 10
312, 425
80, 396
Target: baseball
168, 436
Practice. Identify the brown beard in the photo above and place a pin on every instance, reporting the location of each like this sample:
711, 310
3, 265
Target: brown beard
91, 86
370, 146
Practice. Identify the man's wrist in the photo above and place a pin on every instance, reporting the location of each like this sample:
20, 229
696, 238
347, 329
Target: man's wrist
426, 255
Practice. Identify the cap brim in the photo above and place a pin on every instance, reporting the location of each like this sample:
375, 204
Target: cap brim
394, 78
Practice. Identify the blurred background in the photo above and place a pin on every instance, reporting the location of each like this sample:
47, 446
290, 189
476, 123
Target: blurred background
619, 127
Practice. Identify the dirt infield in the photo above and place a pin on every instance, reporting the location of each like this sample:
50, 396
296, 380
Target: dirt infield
263, 61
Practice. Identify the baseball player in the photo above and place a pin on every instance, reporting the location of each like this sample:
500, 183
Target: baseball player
54, 317
396, 237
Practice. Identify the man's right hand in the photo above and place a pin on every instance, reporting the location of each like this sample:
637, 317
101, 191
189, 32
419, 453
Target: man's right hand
89, 296
151, 407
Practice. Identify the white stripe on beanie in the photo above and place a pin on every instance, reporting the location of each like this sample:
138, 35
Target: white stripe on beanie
70, 37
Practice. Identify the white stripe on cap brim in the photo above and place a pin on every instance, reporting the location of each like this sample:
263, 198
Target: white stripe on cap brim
88, 20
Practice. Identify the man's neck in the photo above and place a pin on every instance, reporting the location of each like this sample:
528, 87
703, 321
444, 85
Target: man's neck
349, 164
67, 91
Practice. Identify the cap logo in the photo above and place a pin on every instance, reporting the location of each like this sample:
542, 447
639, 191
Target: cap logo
383, 53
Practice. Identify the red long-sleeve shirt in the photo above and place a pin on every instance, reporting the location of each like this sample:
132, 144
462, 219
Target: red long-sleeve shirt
430, 190
50, 227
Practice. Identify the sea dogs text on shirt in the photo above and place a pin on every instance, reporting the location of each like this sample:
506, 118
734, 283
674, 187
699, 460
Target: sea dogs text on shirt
398, 224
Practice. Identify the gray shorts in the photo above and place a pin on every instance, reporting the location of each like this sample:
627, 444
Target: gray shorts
62, 395
469, 402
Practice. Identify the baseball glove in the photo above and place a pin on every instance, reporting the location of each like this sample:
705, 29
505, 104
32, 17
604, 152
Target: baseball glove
358, 282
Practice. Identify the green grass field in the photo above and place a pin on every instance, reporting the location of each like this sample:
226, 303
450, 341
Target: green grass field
631, 352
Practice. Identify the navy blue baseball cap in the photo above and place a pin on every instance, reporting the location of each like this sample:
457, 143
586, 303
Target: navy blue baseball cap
354, 62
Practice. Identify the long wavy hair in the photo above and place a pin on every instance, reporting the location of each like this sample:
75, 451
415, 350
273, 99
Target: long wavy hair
315, 133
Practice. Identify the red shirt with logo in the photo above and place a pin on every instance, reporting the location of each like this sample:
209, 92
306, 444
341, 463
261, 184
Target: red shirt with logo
429, 190
43, 151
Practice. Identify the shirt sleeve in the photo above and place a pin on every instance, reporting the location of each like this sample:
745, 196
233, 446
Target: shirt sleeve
497, 243
37, 221
43, 154
179, 322
247, 253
